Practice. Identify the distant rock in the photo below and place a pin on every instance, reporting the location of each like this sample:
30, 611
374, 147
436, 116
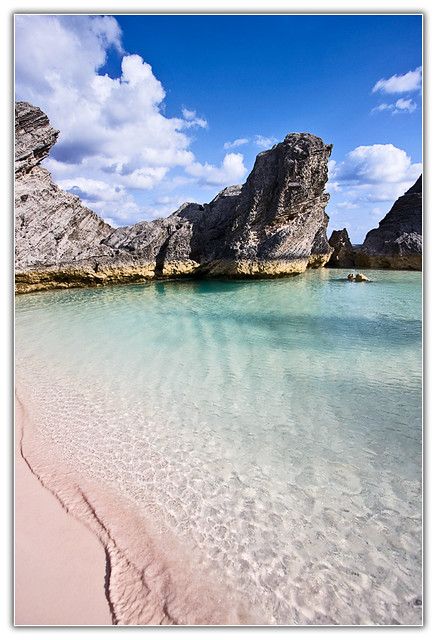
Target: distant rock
274, 224
343, 254
397, 242
357, 277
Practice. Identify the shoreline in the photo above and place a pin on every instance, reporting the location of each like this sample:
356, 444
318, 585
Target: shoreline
22, 286
55, 555
148, 577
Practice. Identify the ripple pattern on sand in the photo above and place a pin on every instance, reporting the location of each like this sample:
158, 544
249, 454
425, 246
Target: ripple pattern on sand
275, 426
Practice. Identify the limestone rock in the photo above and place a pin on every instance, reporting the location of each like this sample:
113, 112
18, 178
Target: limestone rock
34, 137
397, 242
53, 229
357, 277
343, 252
277, 223
274, 224
360, 277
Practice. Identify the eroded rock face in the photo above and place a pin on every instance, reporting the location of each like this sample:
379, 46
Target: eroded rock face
274, 224
343, 254
53, 229
34, 137
397, 242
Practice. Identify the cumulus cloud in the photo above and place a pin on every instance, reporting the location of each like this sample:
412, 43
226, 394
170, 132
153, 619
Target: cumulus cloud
410, 81
113, 129
230, 172
373, 173
236, 143
105, 197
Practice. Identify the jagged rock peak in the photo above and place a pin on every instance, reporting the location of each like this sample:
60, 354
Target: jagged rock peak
395, 244
399, 235
34, 136
343, 254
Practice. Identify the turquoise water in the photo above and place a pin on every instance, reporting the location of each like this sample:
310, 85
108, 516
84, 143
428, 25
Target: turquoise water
274, 425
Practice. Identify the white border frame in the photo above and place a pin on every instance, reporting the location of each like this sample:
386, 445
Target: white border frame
232, 7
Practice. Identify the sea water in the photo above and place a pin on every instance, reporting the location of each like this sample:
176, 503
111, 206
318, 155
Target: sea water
276, 425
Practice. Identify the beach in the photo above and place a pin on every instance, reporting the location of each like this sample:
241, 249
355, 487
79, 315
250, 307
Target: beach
234, 465
85, 557
60, 564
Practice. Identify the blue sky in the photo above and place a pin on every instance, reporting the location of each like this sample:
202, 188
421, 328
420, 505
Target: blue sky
138, 140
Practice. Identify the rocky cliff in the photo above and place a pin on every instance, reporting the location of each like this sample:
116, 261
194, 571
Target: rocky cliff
274, 224
395, 244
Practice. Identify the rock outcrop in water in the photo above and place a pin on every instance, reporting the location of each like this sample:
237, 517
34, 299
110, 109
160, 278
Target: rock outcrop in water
343, 254
395, 244
274, 224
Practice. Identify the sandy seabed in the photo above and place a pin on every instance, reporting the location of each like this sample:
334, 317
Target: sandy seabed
85, 557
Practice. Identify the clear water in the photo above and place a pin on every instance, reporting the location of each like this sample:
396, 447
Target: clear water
274, 425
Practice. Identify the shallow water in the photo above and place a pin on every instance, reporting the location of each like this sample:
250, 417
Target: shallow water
275, 425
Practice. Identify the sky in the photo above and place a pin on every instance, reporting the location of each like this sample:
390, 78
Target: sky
158, 110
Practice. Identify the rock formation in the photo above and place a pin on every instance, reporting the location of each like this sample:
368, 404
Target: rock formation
343, 254
274, 224
52, 228
357, 277
395, 244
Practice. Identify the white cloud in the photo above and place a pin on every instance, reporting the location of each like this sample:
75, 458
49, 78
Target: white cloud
264, 142
236, 143
230, 172
346, 205
374, 173
192, 120
94, 189
188, 115
366, 184
410, 81
100, 195
402, 105
113, 130
377, 163
383, 107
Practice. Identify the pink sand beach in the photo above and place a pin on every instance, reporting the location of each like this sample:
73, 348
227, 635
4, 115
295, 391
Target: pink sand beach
86, 557
59, 563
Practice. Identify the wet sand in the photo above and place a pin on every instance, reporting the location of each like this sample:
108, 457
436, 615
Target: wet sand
68, 563
59, 563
